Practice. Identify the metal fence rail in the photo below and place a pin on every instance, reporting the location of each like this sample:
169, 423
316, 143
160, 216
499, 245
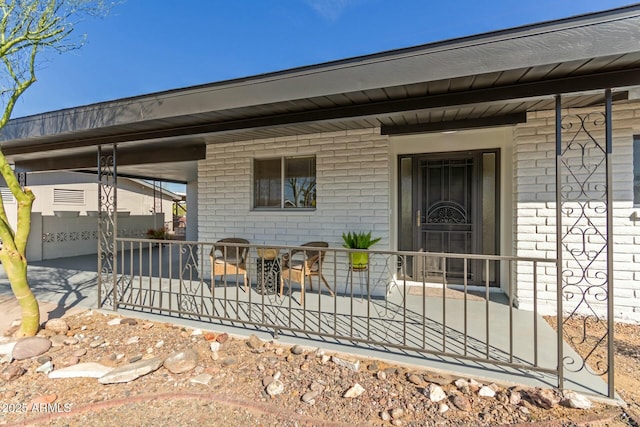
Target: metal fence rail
394, 302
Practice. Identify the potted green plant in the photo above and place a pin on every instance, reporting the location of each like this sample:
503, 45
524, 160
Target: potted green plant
359, 240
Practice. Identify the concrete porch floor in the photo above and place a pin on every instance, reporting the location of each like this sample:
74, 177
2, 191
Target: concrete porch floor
70, 283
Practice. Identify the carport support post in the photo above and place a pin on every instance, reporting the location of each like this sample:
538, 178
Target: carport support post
559, 279
610, 302
586, 205
107, 226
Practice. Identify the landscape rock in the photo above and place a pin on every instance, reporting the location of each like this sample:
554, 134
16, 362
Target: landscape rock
414, 379
461, 402
222, 338
353, 365
254, 342
214, 346
71, 341
203, 379
12, 372
397, 413
443, 408
132, 340
30, 347
310, 397
275, 388
43, 359
59, 326
81, 370
385, 415
96, 342
543, 398
515, 397
181, 361
131, 371
441, 380
435, 393
114, 322
486, 391
128, 321
7, 347
58, 340
45, 367
79, 352
571, 399
70, 361
297, 350
355, 391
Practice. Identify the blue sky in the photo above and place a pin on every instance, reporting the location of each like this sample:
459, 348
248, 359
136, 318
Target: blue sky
146, 46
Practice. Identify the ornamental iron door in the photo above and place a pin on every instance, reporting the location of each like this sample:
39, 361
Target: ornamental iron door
447, 214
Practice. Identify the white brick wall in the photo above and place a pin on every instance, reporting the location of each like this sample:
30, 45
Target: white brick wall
352, 184
534, 222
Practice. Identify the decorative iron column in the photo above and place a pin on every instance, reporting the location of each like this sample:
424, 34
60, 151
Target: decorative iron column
584, 239
107, 226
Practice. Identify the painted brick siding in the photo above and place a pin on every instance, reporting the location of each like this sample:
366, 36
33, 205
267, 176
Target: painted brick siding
535, 220
352, 169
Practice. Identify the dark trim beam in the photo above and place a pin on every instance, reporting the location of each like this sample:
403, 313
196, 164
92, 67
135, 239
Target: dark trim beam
482, 122
565, 85
126, 157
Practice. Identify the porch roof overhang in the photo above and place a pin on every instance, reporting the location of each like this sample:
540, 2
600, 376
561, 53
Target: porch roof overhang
486, 79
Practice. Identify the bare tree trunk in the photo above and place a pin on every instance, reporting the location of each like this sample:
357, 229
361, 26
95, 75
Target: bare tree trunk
15, 265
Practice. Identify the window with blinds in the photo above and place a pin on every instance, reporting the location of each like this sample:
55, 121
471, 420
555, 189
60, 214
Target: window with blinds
7, 197
62, 196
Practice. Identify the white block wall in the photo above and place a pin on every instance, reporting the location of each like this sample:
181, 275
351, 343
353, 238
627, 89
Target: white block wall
534, 212
352, 184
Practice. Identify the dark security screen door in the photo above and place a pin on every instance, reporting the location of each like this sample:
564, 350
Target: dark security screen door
454, 211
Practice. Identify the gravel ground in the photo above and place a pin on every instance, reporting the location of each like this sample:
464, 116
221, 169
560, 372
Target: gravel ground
235, 385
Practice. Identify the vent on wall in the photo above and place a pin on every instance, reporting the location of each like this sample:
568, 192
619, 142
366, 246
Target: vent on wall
7, 197
63, 196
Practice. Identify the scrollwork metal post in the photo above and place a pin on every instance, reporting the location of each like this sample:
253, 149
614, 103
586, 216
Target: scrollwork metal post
107, 226
584, 203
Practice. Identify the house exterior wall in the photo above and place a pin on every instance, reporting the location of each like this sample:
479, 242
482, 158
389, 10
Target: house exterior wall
352, 181
535, 214
132, 196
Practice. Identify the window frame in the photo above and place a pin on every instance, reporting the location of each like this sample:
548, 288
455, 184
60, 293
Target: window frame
282, 207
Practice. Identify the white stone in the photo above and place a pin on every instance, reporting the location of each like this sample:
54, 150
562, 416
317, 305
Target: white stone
159, 344
203, 379
574, 400
7, 348
354, 391
214, 346
486, 392
196, 332
130, 372
345, 363
81, 370
443, 408
45, 367
132, 340
435, 393
114, 322
275, 387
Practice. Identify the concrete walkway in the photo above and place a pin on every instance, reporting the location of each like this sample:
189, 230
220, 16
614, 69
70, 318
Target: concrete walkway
67, 284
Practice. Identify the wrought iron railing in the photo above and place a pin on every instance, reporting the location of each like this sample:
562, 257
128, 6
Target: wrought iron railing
392, 303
